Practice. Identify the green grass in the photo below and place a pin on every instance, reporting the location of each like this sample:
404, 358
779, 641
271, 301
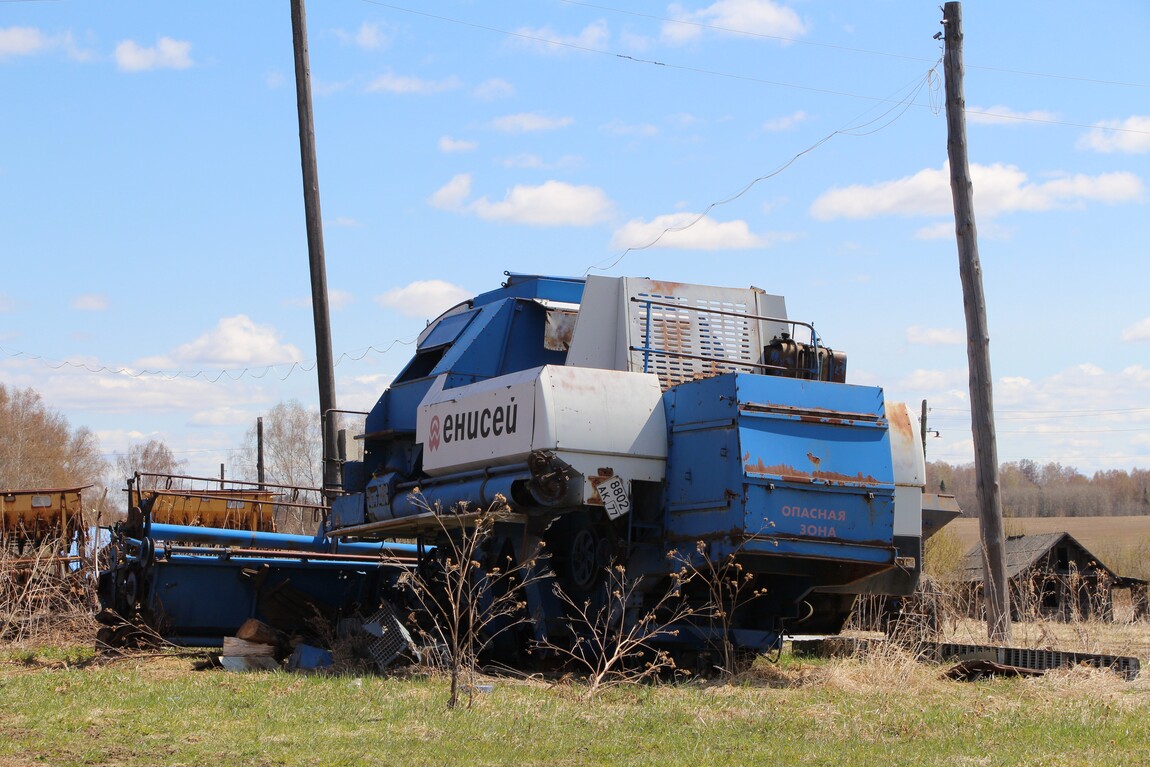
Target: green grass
161, 712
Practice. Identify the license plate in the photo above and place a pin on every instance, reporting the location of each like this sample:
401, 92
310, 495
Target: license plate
613, 493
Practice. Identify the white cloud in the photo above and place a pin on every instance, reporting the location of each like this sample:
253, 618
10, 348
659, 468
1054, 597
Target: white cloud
339, 299
453, 194
495, 88
916, 334
684, 120
6, 303
165, 54
1080, 416
393, 83
1002, 115
320, 87
620, 128
789, 122
1139, 331
1131, 135
998, 189
447, 144
757, 17
535, 162
526, 122
22, 41
90, 302
552, 203
222, 415
423, 298
336, 299
346, 222
688, 231
235, 341
368, 37
594, 36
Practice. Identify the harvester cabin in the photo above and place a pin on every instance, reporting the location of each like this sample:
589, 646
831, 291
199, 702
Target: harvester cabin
1054, 577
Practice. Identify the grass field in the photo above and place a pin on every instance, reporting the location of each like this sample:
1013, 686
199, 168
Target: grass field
61, 705
887, 710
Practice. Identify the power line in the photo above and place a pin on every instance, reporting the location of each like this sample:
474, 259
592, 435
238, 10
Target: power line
848, 49
1050, 413
914, 89
625, 57
763, 81
211, 376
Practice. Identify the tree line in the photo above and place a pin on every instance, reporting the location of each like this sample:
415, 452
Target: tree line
1030, 489
40, 449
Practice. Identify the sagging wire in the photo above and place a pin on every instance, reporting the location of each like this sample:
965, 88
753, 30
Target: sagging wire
899, 105
210, 376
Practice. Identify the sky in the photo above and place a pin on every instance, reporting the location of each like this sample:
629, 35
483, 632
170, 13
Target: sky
155, 267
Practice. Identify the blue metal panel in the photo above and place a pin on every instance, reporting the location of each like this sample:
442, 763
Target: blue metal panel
179, 584
564, 289
810, 478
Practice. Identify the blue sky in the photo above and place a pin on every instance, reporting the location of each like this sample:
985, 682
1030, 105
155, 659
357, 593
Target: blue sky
151, 216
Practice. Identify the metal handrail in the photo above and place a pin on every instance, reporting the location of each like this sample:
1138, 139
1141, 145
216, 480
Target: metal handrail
649, 350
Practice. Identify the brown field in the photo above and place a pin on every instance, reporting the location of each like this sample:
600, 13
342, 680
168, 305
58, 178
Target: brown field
1098, 534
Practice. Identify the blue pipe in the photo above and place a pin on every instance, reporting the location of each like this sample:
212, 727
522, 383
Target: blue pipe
258, 540
478, 492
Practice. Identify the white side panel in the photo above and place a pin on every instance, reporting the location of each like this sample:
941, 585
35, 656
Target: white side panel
593, 419
600, 337
909, 471
600, 411
489, 423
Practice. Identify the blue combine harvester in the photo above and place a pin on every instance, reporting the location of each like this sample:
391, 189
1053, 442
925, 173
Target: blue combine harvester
637, 426
624, 420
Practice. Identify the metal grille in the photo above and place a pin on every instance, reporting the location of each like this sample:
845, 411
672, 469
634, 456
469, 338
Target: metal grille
389, 638
689, 341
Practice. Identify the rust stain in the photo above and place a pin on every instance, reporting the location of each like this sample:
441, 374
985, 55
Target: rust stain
814, 459
792, 474
665, 288
900, 420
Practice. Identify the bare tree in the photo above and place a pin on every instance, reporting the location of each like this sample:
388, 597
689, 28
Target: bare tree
293, 450
152, 457
40, 449
293, 445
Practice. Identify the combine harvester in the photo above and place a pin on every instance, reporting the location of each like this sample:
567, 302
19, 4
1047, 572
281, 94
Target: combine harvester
630, 426
645, 424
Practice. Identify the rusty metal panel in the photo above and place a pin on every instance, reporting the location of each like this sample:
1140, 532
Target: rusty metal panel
36, 516
225, 509
558, 329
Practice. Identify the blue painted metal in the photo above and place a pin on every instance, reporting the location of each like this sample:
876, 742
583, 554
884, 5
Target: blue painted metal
198, 599
792, 478
780, 467
256, 540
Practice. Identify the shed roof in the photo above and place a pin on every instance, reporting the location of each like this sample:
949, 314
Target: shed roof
1022, 551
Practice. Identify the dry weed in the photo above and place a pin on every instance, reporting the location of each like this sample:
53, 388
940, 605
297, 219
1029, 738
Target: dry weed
45, 596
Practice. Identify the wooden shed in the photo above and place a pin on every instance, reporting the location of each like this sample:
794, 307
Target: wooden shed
1054, 577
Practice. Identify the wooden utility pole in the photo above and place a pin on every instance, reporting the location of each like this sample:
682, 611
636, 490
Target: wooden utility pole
260, 451
977, 337
325, 367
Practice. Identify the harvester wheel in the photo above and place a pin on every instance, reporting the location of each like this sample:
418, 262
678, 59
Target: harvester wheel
585, 552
